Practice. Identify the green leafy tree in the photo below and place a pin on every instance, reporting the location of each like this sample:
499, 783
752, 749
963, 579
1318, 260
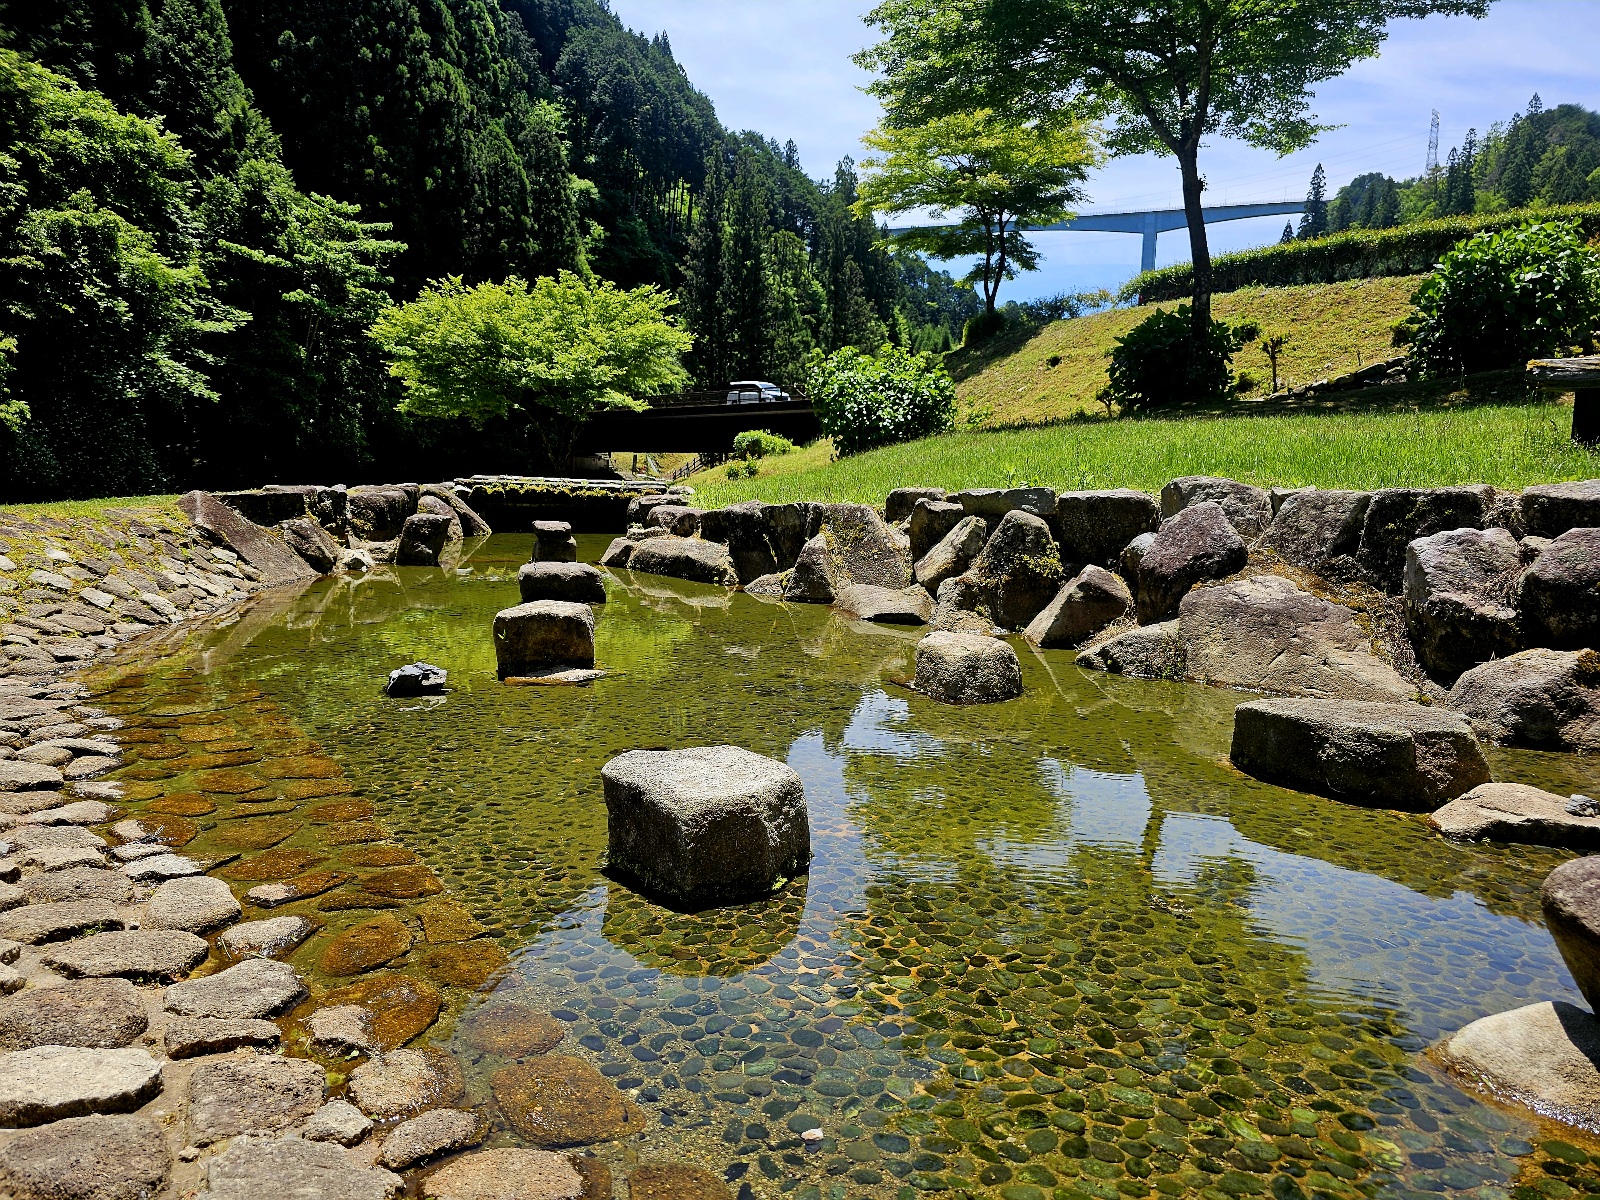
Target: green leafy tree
551, 352
745, 296
196, 90
705, 272
996, 175
865, 400
1169, 73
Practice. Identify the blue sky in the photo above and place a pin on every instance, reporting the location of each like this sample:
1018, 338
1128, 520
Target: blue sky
782, 67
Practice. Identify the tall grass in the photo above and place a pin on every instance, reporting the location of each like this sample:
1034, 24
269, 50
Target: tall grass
1508, 445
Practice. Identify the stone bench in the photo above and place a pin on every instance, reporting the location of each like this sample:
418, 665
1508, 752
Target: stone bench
1580, 376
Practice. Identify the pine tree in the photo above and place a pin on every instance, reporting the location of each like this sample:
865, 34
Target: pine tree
743, 296
195, 88
704, 275
1314, 221
1288, 233
1535, 106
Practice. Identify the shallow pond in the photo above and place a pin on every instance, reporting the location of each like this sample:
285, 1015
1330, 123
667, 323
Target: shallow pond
1052, 947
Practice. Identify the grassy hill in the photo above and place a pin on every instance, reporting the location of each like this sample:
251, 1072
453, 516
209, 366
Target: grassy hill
1054, 373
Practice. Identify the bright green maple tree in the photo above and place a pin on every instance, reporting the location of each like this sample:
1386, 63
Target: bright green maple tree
997, 174
555, 351
1167, 73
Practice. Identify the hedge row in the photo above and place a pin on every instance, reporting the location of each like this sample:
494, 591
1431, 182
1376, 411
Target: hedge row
1357, 254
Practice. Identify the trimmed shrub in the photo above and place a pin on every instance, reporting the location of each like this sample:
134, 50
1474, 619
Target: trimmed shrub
1499, 299
865, 400
983, 327
1156, 363
758, 443
1357, 254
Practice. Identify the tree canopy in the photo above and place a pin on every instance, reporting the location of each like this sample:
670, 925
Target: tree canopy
997, 175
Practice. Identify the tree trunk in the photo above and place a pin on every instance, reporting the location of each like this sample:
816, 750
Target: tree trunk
1199, 249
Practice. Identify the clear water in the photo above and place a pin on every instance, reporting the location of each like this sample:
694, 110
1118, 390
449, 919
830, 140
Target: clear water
1052, 948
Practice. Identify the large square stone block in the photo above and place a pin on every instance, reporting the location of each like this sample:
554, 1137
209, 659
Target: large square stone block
544, 633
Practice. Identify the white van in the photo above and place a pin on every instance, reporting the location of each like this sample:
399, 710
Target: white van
754, 391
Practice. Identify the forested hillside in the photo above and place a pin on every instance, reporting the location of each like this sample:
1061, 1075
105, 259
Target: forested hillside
208, 202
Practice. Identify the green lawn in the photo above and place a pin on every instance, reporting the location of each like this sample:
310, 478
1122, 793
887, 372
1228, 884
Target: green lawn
1491, 432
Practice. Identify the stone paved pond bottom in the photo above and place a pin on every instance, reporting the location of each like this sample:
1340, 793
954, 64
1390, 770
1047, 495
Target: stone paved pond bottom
1047, 950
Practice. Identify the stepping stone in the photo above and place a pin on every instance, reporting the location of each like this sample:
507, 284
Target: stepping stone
78, 883
252, 990
138, 954
79, 812
61, 858
405, 1082
967, 668
49, 1083
253, 1167
39, 837
429, 1135
1542, 1056
337, 1121
19, 776
101, 1014
88, 767
134, 851
507, 1175
197, 904
161, 866
52, 922
343, 1029
267, 938
86, 1158
365, 946
246, 1095
1515, 812
544, 633
557, 1101
188, 1037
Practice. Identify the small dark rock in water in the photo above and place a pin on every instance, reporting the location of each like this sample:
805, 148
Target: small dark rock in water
418, 679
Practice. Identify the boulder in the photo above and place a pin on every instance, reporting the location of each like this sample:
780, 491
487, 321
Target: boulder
1570, 899
932, 521
902, 606
1404, 756
1314, 527
671, 1181
508, 1029
954, 553
253, 990
709, 823
472, 525
553, 542
429, 1135
1018, 572
789, 527
1268, 635
1248, 509
1560, 599
1544, 699
575, 583
1542, 1056
992, 504
377, 514
1148, 652
416, 679
1458, 588
1515, 812
404, 1082
78, 883
967, 668
900, 502
255, 1167
1197, 544
198, 904
102, 1014
507, 1175
955, 609
423, 538
685, 558
50, 1083
86, 1158
1132, 555
267, 554
742, 528
311, 542
1086, 604
852, 545
1396, 517
618, 553
544, 633
1550, 509
640, 507
1095, 527
437, 506
677, 519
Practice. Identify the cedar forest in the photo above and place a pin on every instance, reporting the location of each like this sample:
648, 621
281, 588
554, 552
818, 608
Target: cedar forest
208, 202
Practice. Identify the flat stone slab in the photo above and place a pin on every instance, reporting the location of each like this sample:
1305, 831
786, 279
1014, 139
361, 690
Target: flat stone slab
404, 1082
196, 903
706, 822
79, 812
101, 1014
429, 1135
78, 883
254, 1167
136, 953
507, 1175
189, 1037
38, 923
337, 1121
343, 1029
1515, 812
86, 1158
1542, 1057
1405, 756
557, 1101
19, 776
246, 1095
61, 858
252, 990
266, 938
38, 837
161, 866
886, 606
49, 1083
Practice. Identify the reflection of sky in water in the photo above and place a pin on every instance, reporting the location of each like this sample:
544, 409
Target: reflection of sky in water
881, 725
